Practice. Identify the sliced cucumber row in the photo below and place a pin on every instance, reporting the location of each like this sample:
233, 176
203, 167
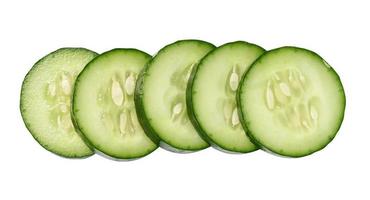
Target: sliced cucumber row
238, 98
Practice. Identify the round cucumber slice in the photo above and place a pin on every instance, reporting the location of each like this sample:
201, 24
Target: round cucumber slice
103, 104
291, 102
160, 95
46, 99
211, 95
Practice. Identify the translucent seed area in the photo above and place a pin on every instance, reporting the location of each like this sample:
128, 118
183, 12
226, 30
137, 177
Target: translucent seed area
117, 104
175, 95
287, 96
58, 97
230, 111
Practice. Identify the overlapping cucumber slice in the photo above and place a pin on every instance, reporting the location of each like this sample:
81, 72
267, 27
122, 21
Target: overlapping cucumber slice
291, 102
103, 104
160, 96
211, 95
46, 101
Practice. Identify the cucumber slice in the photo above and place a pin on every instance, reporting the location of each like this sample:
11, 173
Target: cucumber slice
45, 101
160, 95
291, 102
211, 95
103, 104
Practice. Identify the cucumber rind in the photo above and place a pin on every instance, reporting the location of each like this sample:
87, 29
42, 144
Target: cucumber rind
99, 150
143, 119
250, 132
27, 125
192, 114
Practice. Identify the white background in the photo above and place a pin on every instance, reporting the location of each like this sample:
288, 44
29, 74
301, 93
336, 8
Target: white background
337, 30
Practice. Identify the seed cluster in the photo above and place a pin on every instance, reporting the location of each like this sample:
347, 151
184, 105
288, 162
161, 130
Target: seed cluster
287, 98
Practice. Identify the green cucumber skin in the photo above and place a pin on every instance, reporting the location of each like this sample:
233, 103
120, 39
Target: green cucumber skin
192, 115
143, 120
138, 98
190, 110
245, 123
76, 128
75, 120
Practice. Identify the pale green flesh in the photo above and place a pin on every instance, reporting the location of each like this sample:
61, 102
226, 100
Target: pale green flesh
46, 101
104, 104
213, 94
292, 102
164, 94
